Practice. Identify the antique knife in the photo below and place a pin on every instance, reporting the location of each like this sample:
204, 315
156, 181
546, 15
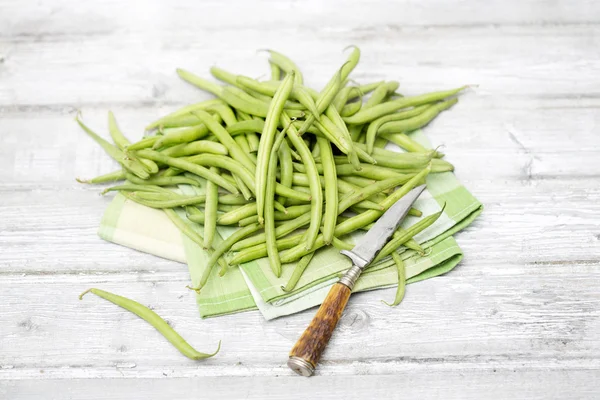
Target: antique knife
308, 349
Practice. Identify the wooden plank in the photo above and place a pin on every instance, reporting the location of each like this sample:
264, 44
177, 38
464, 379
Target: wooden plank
60, 19
139, 68
519, 383
502, 318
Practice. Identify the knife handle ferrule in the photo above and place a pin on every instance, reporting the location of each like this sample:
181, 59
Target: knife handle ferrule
350, 277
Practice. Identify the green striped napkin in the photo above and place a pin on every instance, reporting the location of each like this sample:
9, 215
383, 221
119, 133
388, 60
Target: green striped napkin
253, 285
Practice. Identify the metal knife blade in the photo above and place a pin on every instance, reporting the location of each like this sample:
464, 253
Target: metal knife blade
369, 245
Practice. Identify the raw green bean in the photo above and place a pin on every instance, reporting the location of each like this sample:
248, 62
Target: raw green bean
210, 210
374, 127
286, 168
242, 187
340, 244
155, 320
195, 147
275, 72
188, 166
299, 269
253, 141
353, 59
110, 177
200, 83
325, 98
242, 141
358, 180
287, 65
260, 251
145, 143
266, 141
404, 141
401, 281
269, 213
236, 215
117, 136
351, 109
165, 180
316, 201
119, 156
418, 121
160, 200
225, 138
282, 230
181, 135
223, 247
366, 192
408, 233
255, 125
194, 214
335, 117
331, 190
130, 188
183, 111
379, 110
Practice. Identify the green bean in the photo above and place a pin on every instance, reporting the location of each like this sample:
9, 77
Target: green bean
235, 167
248, 220
335, 117
418, 121
183, 111
188, 166
340, 244
351, 109
366, 192
165, 180
379, 110
255, 125
130, 187
119, 156
401, 281
239, 99
299, 269
316, 200
329, 130
253, 141
282, 230
374, 127
409, 233
145, 143
117, 136
287, 65
266, 141
110, 177
223, 247
260, 251
182, 135
236, 215
269, 213
358, 180
325, 98
155, 320
275, 71
200, 83
331, 190
158, 200
195, 147
286, 168
380, 93
210, 211
243, 143
404, 141
368, 171
392, 159
353, 59
225, 138
194, 215
243, 187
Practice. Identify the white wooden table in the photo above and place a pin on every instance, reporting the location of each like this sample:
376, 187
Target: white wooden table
519, 318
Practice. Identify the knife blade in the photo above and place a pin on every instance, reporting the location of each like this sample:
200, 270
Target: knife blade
308, 349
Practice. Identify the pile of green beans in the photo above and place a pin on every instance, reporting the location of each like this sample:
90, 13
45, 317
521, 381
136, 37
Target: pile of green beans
295, 168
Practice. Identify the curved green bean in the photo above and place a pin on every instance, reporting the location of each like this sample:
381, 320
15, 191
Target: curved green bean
401, 290
418, 121
299, 269
374, 127
155, 320
110, 177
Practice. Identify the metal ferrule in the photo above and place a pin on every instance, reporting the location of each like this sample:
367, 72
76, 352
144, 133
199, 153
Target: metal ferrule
351, 276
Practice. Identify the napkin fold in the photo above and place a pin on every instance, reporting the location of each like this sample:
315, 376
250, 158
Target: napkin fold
253, 284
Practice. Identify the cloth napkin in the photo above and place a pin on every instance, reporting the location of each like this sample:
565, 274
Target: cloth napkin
253, 285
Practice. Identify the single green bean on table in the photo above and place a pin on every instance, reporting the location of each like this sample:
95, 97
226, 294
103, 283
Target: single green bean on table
155, 320
310, 165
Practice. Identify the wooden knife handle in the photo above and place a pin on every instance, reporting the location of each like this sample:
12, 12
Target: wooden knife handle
308, 349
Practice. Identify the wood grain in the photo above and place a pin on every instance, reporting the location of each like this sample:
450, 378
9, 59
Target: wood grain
518, 318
